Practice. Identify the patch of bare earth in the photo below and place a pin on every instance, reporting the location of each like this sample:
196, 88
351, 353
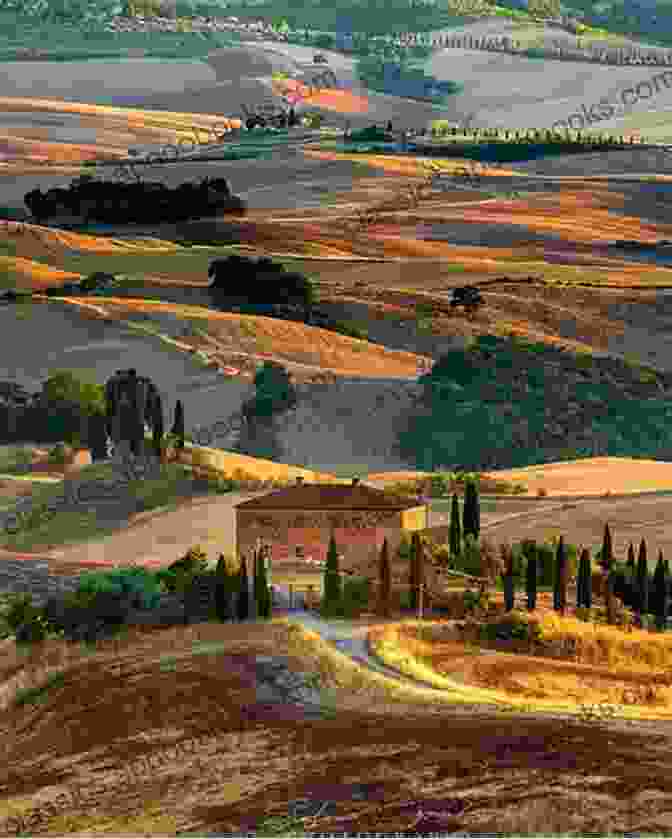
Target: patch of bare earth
126, 745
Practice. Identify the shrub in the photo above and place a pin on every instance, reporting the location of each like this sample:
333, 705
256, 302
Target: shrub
355, 597
511, 626
178, 575
58, 456
139, 585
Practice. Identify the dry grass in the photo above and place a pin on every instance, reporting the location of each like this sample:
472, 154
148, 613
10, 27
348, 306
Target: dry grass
611, 667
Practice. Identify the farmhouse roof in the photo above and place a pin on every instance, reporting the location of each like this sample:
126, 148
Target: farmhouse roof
329, 497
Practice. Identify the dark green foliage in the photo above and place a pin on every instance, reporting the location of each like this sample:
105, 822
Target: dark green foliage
331, 598
157, 425
545, 555
631, 558
259, 287
455, 535
384, 580
356, 596
97, 437
607, 553
560, 581
275, 392
509, 580
531, 579
584, 594
225, 591
660, 594
243, 602
116, 201
471, 518
178, 424
262, 592
642, 585
179, 573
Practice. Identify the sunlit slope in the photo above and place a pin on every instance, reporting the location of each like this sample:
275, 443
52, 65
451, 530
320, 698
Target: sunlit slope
275, 339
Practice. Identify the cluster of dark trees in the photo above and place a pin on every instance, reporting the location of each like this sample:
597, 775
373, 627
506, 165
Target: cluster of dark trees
66, 409
93, 199
259, 287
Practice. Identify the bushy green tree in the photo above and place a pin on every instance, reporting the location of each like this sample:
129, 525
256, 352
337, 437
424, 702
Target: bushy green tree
332, 591
455, 535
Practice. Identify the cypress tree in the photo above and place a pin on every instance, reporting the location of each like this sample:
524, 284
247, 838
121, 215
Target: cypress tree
455, 536
413, 576
471, 514
243, 604
660, 594
607, 554
560, 581
331, 598
584, 593
531, 578
178, 424
262, 592
384, 581
223, 591
642, 589
157, 425
631, 558
420, 565
508, 578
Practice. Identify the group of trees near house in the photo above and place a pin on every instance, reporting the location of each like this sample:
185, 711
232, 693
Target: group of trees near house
93, 199
235, 599
86, 413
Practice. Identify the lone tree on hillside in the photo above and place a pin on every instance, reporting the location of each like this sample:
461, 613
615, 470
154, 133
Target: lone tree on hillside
131, 402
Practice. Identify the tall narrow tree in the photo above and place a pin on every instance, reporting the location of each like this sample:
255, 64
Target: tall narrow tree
660, 594
384, 591
606, 554
157, 425
531, 578
224, 590
631, 558
508, 579
178, 424
471, 517
243, 600
413, 575
455, 536
263, 593
331, 597
584, 586
560, 581
642, 590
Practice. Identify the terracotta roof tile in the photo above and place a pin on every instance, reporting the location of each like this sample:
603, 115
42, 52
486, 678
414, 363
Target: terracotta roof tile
329, 497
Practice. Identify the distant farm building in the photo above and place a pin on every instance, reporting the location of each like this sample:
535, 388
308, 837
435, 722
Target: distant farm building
303, 516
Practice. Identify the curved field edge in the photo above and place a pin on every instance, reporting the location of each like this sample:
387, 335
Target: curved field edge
386, 646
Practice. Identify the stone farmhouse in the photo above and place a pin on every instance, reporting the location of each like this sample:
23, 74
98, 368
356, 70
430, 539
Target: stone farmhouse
303, 516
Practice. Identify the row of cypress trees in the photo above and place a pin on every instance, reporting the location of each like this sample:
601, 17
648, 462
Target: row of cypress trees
233, 599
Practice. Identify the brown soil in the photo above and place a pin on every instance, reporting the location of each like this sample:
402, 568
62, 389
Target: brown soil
121, 746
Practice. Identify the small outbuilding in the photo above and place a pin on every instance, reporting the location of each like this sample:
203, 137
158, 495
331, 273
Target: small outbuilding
298, 520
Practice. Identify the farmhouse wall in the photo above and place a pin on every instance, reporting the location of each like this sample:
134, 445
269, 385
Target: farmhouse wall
358, 533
